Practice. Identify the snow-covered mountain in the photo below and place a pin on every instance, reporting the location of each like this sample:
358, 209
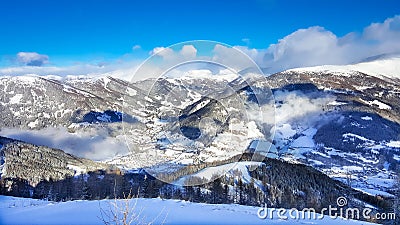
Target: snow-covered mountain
385, 67
341, 120
355, 137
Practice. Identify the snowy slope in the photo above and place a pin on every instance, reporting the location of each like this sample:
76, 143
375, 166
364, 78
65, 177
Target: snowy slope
380, 68
230, 169
155, 211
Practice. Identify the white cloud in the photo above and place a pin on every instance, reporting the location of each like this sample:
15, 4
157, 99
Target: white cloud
255, 54
49, 70
234, 57
312, 46
188, 52
296, 105
32, 58
246, 41
221, 57
118, 69
290, 106
162, 51
389, 29
136, 47
305, 47
317, 46
383, 36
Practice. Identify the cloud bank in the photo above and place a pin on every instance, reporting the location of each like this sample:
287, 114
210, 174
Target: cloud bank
32, 58
317, 46
314, 46
95, 143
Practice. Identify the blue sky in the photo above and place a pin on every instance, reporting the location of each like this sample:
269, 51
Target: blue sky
70, 32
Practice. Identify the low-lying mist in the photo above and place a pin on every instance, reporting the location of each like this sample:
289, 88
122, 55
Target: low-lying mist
94, 143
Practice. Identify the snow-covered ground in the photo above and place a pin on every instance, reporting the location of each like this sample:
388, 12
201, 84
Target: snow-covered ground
380, 68
229, 169
155, 211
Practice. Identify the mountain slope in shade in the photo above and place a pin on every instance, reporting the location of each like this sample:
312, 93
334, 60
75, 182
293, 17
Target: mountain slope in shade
34, 164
